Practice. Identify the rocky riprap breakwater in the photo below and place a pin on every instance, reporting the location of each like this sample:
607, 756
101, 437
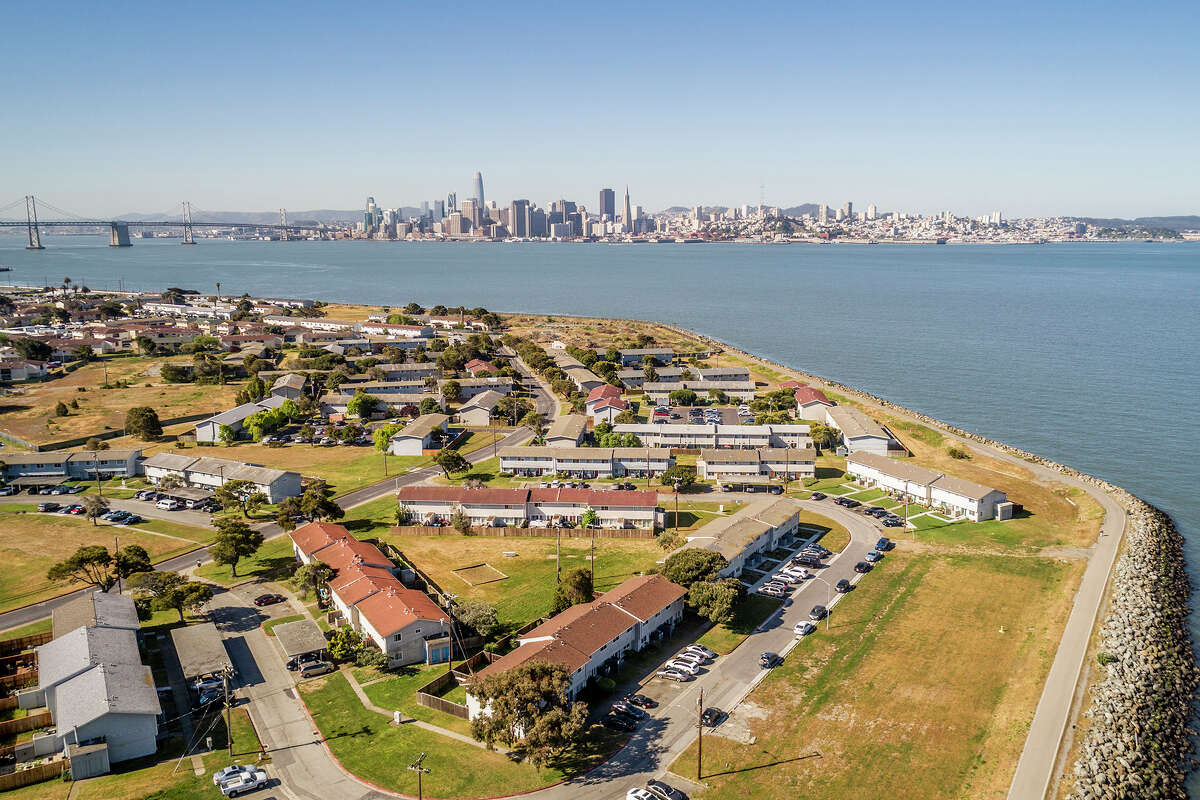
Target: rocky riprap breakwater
1138, 744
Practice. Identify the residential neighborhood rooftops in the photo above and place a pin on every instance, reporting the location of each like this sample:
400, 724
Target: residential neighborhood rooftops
289, 381
100, 609
643, 596
83, 648
962, 487
396, 606
807, 394
569, 426
107, 689
854, 423
890, 466
422, 426
514, 497
174, 461
487, 400
607, 390
201, 650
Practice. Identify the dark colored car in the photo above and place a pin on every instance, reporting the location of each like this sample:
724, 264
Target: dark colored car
47, 507
892, 523
840, 501
850, 503
818, 496
299, 661
665, 790
818, 613
808, 560
842, 586
862, 566
768, 660
641, 701
711, 716
268, 599
773, 489
619, 723
884, 544
876, 511
631, 711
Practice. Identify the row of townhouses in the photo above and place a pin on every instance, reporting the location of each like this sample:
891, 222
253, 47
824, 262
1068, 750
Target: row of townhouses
532, 507
757, 466
717, 436
954, 496
758, 528
585, 462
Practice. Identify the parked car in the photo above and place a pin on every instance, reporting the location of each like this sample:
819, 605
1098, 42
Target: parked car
641, 701
876, 511
245, 783
619, 723
315, 668
132, 519
752, 488
7, 490
768, 660
638, 793
803, 628
893, 523
873, 556
862, 567
683, 666
299, 661
76, 510
665, 791
673, 675
48, 507
818, 496
773, 489
629, 710
167, 505
691, 658
818, 613
842, 586
884, 544
771, 591
711, 716
701, 649
232, 771
268, 599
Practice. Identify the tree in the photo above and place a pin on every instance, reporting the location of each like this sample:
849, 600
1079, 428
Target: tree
649, 373
429, 406
626, 417
344, 644
237, 495
171, 481
689, 566
450, 460
95, 566
529, 708
235, 540
513, 408
460, 521
254, 390
289, 513
85, 353
314, 575
383, 435
715, 600
93, 506
363, 405
574, 588
33, 349
95, 444
589, 518
142, 422
478, 615
682, 397
404, 514
60, 409
682, 474
317, 502
452, 391
170, 591
824, 435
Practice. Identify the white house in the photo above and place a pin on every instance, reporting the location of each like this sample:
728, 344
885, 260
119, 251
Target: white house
566, 431
955, 497
55, 466
477, 412
811, 403
532, 507
211, 473
700, 436
758, 528
591, 640
859, 432
209, 430
417, 436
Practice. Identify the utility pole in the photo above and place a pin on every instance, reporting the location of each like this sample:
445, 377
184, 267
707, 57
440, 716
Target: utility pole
699, 733
96, 467
676, 508
420, 770
228, 714
117, 549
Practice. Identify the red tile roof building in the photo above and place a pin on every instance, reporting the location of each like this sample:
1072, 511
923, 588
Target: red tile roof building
404, 623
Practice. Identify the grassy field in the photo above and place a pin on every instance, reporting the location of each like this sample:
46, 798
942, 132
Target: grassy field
30, 543
274, 559
370, 747
527, 592
396, 692
935, 663
693, 515
28, 412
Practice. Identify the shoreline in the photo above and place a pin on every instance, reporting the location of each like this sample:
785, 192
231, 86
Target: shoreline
1141, 706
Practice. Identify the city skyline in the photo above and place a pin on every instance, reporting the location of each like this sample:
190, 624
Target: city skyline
920, 107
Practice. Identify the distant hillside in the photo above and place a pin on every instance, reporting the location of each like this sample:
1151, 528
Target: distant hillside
1170, 223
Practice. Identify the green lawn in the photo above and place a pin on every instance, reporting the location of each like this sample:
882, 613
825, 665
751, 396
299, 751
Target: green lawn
269, 626
273, 560
397, 692
750, 612
487, 471
372, 748
41, 626
867, 495
371, 519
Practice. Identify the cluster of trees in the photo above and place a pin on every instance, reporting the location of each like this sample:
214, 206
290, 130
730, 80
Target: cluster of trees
530, 711
682, 474
604, 436
269, 420
698, 571
605, 367
776, 400
143, 422
315, 503
824, 435
346, 644
574, 588
167, 591
454, 357
479, 312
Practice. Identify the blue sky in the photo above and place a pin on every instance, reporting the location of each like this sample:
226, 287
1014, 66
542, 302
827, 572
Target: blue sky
1032, 109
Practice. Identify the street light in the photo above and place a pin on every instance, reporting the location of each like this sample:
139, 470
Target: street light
829, 604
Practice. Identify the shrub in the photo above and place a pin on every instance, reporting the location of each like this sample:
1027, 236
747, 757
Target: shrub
60, 409
1105, 658
958, 452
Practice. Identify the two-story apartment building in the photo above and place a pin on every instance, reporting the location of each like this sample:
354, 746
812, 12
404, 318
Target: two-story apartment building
758, 528
418, 435
954, 496
211, 473
716, 436
532, 507
585, 462
757, 466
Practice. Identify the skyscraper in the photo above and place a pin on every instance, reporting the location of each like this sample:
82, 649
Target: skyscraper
472, 212
519, 218
479, 190
822, 214
871, 211
370, 218
439, 209
628, 211
452, 202
608, 204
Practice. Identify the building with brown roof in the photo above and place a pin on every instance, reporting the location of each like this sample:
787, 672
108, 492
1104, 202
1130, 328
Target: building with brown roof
590, 640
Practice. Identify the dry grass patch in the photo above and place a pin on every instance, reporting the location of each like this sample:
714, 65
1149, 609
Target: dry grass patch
924, 688
29, 411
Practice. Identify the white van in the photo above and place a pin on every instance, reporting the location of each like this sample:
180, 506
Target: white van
168, 504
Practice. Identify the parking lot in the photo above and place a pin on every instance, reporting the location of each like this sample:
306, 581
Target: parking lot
680, 415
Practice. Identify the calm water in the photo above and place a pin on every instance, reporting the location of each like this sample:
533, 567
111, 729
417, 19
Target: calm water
1087, 354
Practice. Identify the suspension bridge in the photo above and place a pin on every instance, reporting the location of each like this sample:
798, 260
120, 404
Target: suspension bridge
119, 228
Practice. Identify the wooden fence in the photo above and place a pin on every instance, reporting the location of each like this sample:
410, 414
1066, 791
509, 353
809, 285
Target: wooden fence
9, 702
25, 777
19, 679
425, 696
538, 533
32, 722
22, 643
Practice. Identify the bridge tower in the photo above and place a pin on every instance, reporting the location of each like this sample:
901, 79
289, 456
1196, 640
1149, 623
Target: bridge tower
35, 237
283, 233
118, 235
187, 223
